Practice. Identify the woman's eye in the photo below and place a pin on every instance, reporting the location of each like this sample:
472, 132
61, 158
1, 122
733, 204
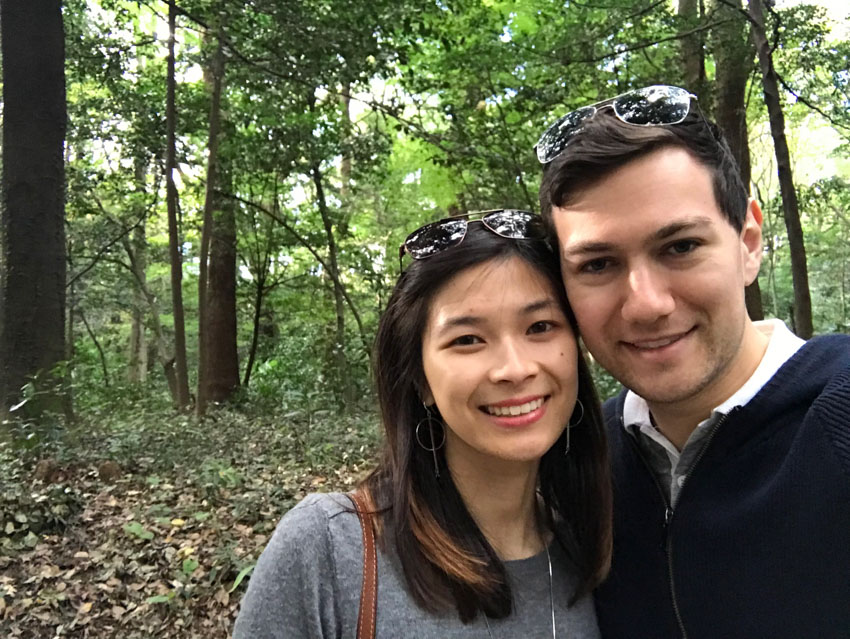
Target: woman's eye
466, 340
540, 327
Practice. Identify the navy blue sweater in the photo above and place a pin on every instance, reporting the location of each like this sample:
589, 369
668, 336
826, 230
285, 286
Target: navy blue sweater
759, 542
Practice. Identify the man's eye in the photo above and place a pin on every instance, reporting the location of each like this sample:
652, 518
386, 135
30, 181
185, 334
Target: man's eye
542, 326
683, 247
466, 340
596, 265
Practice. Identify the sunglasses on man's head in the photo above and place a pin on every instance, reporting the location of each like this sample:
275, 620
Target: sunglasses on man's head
438, 236
658, 105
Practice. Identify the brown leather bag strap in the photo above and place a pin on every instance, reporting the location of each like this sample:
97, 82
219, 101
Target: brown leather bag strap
369, 591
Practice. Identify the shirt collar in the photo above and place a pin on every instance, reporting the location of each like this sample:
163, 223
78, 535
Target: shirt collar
781, 347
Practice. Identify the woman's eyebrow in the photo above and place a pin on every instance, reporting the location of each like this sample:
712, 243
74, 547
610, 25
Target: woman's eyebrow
537, 306
477, 320
460, 320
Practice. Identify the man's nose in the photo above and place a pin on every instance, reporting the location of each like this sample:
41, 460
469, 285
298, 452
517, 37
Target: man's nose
648, 296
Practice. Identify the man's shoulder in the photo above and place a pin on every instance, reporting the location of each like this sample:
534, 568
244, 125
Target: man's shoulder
612, 408
820, 361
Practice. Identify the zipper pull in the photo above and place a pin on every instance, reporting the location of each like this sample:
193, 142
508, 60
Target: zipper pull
668, 515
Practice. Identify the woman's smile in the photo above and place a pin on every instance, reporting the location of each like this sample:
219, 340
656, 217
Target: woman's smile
500, 360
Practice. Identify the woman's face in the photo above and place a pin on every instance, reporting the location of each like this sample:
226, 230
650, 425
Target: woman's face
500, 360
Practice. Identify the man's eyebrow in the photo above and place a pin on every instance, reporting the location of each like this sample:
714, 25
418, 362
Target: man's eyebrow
583, 248
477, 320
594, 247
677, 227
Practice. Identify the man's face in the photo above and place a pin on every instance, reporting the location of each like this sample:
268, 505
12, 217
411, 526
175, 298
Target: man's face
656, 274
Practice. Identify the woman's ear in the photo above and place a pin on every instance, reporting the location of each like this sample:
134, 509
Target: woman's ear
426, 395
428, 398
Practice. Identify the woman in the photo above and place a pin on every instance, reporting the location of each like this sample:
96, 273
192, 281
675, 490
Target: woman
492, 514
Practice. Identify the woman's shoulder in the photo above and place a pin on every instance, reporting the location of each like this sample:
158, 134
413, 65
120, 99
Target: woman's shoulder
302, 572
318, 517
330, 505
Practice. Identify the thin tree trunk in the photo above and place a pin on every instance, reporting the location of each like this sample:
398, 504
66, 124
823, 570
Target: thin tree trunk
255, 331
340, 360
367, 345
181, 368
214, 76
345, 163
733, 59
137, 368
99, 348
693, 58
790, 208
166, 359
32, 231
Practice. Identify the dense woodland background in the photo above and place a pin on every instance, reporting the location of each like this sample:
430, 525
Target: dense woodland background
202, 207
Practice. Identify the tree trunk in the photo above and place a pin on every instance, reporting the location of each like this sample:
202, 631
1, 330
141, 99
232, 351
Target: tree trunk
259, 295
32, 231
101, 354
181, 368
345, 163
790, 208
340, 360
137, 369
166, 359
222, 351
693, 58
733, 59
218, 366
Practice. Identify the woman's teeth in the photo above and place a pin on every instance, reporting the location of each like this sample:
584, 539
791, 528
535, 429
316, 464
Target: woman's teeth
511, 411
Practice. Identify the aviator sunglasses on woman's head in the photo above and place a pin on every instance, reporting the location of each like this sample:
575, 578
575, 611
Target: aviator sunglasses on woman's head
438, 236
658, 105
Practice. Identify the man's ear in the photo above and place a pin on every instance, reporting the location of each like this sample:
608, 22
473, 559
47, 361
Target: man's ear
751, 242
754, 208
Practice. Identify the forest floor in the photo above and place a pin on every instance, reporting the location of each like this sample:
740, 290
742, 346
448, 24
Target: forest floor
151, 529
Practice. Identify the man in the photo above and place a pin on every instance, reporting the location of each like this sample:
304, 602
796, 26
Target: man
730, 444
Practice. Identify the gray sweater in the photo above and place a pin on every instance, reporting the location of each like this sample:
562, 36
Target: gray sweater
307, 584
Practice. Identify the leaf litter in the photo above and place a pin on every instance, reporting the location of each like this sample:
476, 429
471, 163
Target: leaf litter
165, 547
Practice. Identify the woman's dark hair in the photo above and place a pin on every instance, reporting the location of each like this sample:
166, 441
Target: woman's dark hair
446, 559
605, 144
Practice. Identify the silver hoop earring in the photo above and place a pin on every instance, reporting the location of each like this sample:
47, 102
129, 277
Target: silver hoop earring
572, 423
580, 407
434, 447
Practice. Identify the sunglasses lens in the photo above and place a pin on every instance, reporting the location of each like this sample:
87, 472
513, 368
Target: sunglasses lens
653, 106
434, 238
556, 137
515, 224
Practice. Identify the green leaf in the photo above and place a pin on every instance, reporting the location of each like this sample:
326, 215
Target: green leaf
189, 566
242, 574
161, 598
135, 528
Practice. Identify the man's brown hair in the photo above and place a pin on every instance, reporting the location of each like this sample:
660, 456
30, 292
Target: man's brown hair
605, 144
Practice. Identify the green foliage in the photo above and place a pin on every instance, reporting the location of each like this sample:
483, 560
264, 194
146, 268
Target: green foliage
446, 102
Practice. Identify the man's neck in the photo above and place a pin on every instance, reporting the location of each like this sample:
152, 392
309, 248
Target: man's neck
677, 420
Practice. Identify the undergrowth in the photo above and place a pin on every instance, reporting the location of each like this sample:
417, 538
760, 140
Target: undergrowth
138, 521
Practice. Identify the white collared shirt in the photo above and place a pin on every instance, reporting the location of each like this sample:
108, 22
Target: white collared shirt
672, 466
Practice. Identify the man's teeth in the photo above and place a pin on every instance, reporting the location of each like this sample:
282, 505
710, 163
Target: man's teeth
510, 411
